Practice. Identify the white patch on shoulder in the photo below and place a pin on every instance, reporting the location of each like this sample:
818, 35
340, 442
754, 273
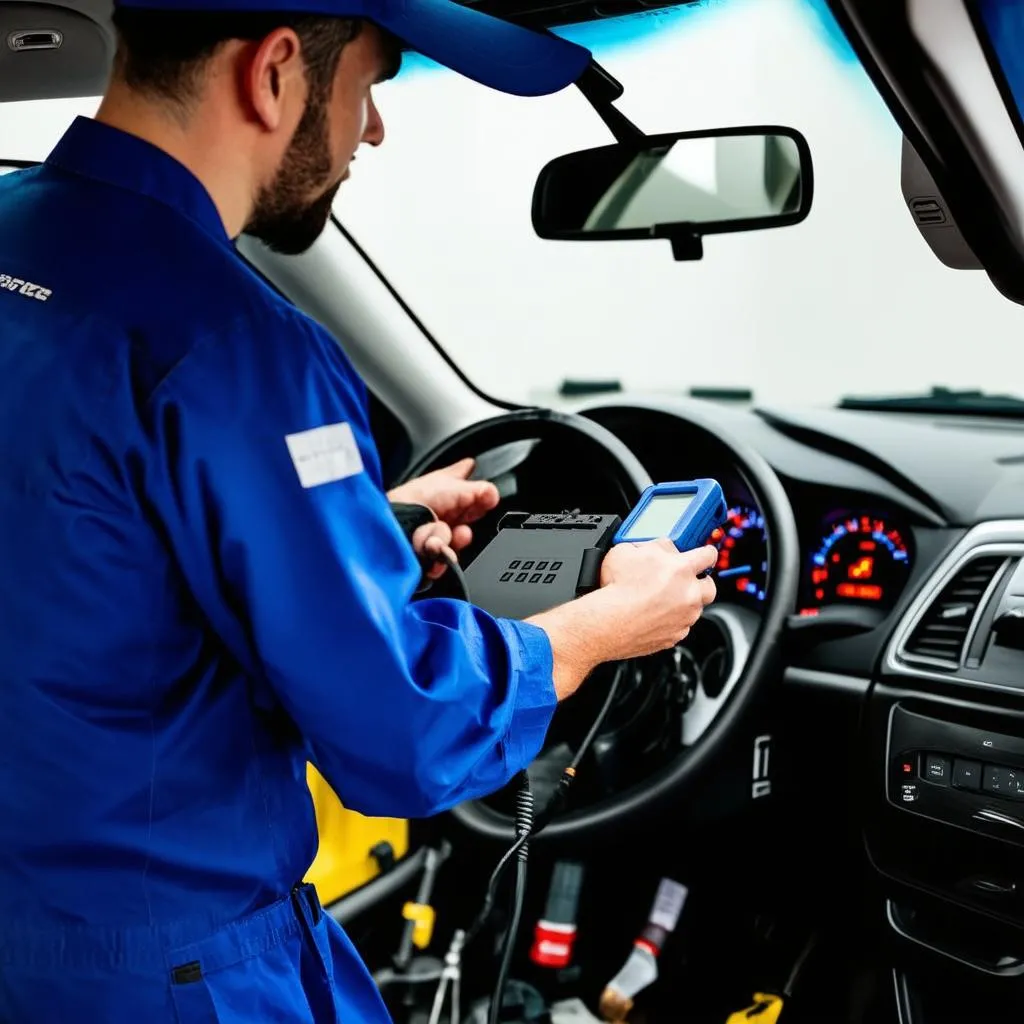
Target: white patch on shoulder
325, 454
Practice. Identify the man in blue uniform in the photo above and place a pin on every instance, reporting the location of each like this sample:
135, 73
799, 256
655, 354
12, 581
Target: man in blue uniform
204, 582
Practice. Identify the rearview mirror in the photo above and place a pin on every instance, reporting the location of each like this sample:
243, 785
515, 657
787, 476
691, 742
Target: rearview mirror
680, 187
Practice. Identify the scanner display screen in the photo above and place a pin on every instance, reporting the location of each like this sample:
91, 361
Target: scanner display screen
662, 513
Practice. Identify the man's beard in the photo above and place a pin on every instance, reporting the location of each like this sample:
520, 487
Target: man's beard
284, 217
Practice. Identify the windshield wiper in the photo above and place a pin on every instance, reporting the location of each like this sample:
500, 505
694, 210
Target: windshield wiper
938, 400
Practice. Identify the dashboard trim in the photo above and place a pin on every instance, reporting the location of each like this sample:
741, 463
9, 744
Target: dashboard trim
1013, 969
1002, 537
814, 679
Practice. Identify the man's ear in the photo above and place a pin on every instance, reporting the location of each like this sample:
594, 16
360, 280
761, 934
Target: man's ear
274, 79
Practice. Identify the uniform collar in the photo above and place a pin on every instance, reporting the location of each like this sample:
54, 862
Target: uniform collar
95, 150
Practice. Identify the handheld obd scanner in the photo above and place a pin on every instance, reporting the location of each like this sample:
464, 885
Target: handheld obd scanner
538, 561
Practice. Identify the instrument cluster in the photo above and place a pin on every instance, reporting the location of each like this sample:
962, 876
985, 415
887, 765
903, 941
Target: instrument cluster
853, 556
859, 557
741, 572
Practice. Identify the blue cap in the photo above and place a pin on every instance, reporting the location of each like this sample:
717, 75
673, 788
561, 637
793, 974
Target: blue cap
488, 50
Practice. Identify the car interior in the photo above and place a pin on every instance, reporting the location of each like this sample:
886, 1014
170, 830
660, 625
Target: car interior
824, 781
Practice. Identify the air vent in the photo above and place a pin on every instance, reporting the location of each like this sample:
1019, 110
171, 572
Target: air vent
941, 634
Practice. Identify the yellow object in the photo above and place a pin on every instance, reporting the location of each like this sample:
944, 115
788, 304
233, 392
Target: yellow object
422, 914
343, 860
764, 1010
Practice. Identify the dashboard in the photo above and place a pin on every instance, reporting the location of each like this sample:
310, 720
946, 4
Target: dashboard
870, 618
903, 653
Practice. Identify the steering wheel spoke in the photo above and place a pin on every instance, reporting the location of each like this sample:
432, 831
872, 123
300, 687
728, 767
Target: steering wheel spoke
724, 638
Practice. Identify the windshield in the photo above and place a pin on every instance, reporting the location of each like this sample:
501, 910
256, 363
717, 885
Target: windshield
851, 301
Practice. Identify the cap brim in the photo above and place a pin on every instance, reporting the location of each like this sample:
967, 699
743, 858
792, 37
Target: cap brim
488, 50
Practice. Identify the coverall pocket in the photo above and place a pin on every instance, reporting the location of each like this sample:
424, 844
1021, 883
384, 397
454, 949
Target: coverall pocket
267, 968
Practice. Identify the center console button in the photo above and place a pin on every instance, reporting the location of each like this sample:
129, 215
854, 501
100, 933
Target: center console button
936, 769
966, 774
995, 780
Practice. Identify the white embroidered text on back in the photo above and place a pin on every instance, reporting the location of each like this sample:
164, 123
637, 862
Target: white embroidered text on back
325, 454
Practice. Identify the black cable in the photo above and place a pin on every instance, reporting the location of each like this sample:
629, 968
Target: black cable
524, 826
553, 806
456, 570
492, 889
620, 671
518, 899
561, 793
517, 847
599, 720
527, 827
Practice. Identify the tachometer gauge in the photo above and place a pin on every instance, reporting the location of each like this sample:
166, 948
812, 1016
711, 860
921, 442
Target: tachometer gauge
862, 561
742, 567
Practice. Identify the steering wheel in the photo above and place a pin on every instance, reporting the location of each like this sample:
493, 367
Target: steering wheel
752, 639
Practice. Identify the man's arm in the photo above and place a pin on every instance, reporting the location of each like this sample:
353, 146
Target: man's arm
266, 480
580, 639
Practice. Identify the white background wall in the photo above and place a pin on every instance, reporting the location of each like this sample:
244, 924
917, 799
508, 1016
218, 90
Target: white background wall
850, 301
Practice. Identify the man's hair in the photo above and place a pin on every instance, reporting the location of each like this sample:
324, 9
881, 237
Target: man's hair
164, 54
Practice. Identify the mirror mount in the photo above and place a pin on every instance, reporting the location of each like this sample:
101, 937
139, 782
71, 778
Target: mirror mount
601, 90
686, 243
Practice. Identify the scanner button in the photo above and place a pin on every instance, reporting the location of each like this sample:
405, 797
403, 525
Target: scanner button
505, 577
528, 565
522, 577
936, 769
966, 774
550, 578
555, 566
542, 565
535, 578
514, 565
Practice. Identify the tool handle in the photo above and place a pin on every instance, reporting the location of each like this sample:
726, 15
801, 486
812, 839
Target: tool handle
432, 863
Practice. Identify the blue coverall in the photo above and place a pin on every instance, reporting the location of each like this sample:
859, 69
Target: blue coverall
203, 588
1003, 21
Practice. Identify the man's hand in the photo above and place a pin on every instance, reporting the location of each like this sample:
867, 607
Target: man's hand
659, 591
431, 542
650, 596
456, 500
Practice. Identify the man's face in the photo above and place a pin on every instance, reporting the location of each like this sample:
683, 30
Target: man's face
291, 212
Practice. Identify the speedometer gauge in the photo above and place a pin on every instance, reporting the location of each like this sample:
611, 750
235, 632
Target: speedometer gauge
742, 567
862, 560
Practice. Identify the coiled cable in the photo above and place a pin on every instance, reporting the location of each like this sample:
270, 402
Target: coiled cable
554, 804
524, 826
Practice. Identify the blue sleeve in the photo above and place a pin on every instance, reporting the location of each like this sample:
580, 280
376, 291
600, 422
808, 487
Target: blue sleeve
266, 478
